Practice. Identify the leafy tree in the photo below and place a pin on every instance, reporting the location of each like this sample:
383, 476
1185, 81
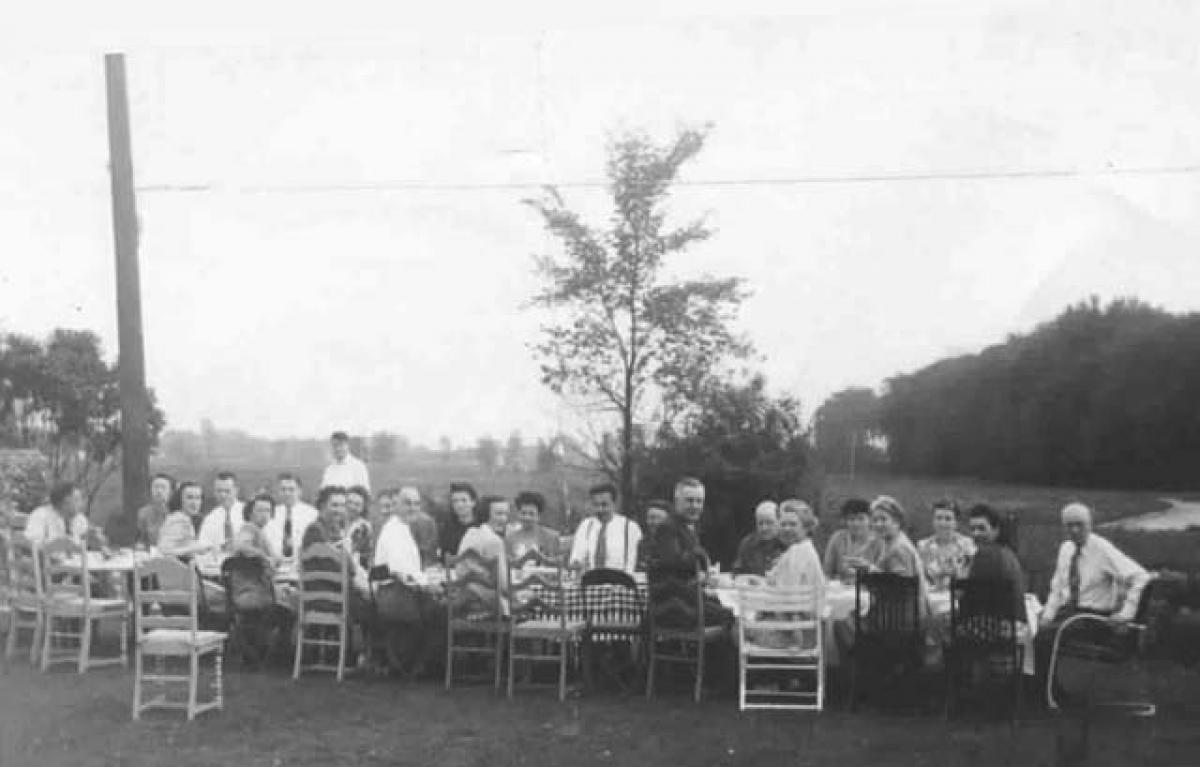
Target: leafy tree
621, 336
1098, 396
61, 398
745, 445
487, 452
847, 431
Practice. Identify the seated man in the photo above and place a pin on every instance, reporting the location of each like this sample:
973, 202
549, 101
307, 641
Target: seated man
1092, 576
759, 550
62, 517
607, 539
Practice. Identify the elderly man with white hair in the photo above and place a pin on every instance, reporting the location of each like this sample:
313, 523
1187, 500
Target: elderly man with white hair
759, 549
395, 548
1092, 575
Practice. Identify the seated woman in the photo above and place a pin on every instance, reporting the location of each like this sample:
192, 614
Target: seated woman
854, 547
528, 534
250, 539
486, 539
657, 512
177, 535
944, 554
359, 538
896, 553
993, 559
799, 566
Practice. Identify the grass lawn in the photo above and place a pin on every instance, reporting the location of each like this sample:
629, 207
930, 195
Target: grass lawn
64, 719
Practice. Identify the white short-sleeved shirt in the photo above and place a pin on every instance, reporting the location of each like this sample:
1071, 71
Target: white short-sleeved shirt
212, 529
347, 474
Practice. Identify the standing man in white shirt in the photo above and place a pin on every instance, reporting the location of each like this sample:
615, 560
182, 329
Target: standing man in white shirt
222, 523
291, 518
346, 470
607, 539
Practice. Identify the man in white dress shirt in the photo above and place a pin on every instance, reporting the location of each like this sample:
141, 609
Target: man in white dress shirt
346, 470
62, 517
395, 548
605, 540
220, 525
1091, 574
291, 518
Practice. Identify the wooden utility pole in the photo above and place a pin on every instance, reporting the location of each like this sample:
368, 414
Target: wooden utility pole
135, 405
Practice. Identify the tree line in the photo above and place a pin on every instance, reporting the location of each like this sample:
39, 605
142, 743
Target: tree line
1099, 396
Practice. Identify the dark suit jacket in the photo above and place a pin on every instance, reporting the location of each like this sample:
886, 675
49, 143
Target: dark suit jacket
675, 544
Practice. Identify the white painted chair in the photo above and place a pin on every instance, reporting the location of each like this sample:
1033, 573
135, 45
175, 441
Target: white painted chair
780, 633
167, 632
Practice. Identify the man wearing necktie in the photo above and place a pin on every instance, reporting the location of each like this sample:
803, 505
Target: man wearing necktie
223, 522
1091, 576
291, 518
606, 539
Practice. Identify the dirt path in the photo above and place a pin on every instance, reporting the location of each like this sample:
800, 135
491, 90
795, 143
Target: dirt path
1180, 515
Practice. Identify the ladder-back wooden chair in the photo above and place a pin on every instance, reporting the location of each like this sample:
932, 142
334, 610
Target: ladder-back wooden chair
323, 615
474, 611
167, 628
72, 611
675, 616
539, 617
780, 633
25, 597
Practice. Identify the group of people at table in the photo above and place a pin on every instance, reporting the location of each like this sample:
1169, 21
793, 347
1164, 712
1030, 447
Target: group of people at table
399, 537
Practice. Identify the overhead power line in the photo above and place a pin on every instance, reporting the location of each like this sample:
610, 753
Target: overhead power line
851, 178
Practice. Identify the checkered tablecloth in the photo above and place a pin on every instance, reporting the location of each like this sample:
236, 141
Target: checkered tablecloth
610, 605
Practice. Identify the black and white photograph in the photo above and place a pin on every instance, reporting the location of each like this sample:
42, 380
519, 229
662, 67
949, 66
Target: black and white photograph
764, 384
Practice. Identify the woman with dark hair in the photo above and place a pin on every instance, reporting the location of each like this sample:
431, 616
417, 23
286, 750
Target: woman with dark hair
177, 535
528, 534
249, 539
359, 535
485, 538
993, 560
944, 554
853, 547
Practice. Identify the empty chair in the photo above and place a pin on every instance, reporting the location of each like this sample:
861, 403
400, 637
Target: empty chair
540, 629
780, 633
677, 632
323, 615
71, 611
27, 612
476, 624
168, 631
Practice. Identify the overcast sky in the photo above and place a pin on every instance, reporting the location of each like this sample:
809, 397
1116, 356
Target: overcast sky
332, 236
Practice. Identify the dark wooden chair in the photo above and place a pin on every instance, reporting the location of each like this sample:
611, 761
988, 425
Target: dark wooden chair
675, 616
474, 611
889, 639
983, 633
541, 630
615, 613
